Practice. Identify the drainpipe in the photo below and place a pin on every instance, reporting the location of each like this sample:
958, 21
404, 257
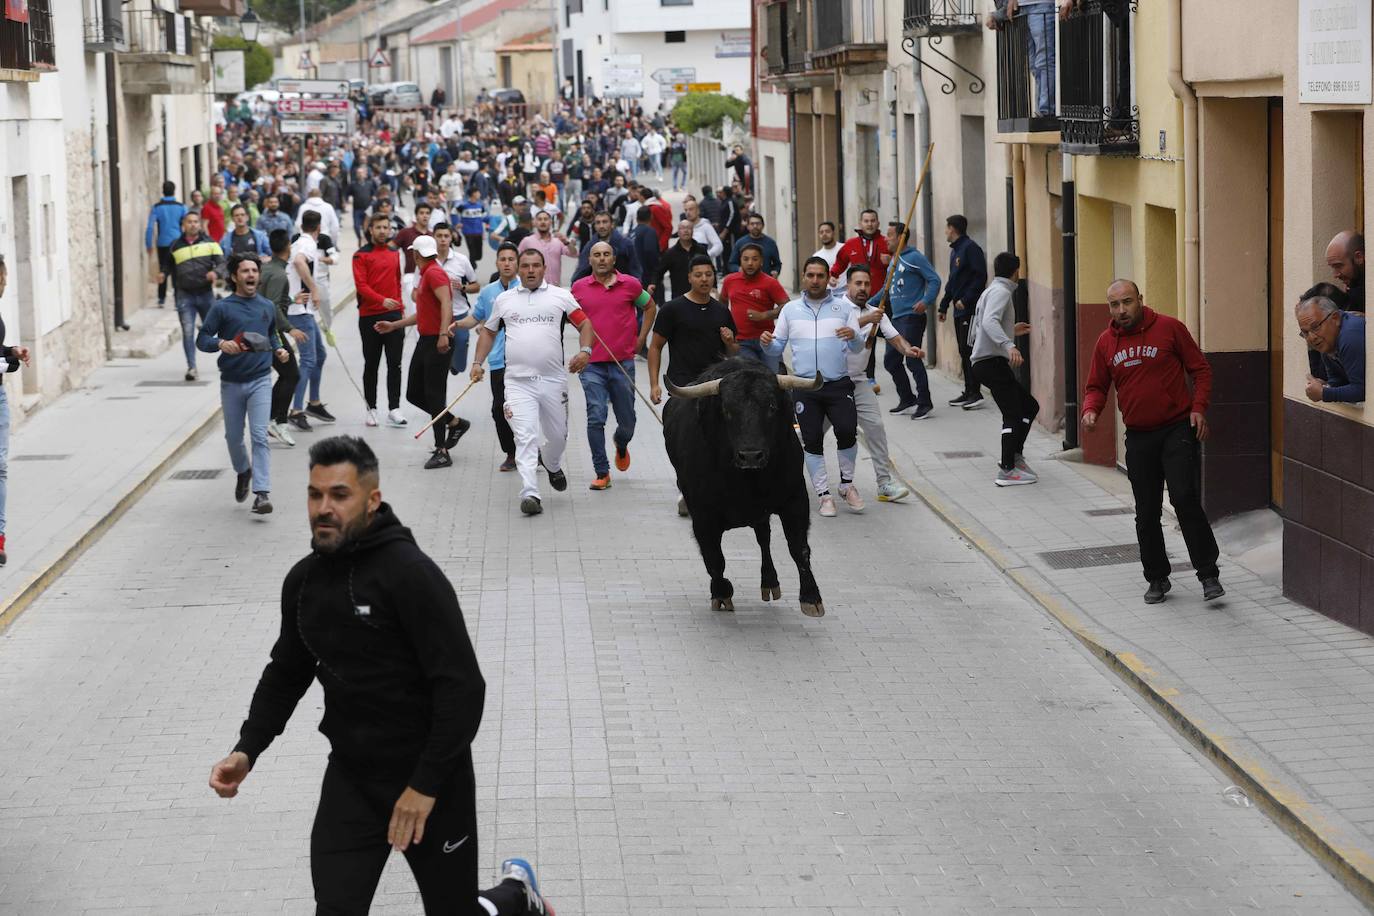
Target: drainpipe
116, 210
98, 184
1191, 233
927, 195
890, 114
1069, 205
1009, 158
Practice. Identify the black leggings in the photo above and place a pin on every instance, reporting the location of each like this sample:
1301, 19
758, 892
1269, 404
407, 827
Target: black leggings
288, 375
474, 248
374, 345
833, 401
348, 848
504, 434
1018, 408
427, 385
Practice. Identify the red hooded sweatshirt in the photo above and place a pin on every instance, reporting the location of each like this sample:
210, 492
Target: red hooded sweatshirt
376, 277
1149, 365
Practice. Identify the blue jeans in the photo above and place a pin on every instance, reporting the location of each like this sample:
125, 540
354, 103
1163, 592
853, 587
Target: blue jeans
4, 454
679, 175
656, 163
604, 384
913, 328
312, 359
1040, 45
251, 400
189, 306
755, 350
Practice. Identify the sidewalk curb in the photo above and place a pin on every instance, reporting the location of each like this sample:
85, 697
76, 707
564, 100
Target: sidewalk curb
45, 577
1285, 804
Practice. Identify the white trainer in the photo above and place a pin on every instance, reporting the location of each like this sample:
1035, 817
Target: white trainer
371, 419
828, 507
394, 417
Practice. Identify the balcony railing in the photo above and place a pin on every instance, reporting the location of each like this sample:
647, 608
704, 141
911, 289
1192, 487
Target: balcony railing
158, 32
1097, 111
939, 17
103, 26
848, 32
1019, 108
798, 36
26, 48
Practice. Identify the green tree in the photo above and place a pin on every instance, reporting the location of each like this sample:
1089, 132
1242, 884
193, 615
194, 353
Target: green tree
696, 110
257, 60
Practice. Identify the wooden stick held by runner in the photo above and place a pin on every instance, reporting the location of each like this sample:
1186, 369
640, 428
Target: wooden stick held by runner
434, 419
901, 244
647, 403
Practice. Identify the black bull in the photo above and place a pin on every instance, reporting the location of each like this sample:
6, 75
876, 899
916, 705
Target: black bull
738, 462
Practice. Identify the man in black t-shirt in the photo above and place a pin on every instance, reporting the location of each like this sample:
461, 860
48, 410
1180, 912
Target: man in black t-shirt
699, 329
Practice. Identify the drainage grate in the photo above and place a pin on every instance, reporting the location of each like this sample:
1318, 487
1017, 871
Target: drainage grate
1085, 557
960, 454
1120, 510
39, 457
200, 474
168, 383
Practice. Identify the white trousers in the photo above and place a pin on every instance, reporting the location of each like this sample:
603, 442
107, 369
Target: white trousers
539, 418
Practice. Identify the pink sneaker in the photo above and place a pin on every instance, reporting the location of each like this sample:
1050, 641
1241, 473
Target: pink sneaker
851, 497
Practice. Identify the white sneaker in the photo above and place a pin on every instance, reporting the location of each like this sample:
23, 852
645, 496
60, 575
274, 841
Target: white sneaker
371, 419
279, 432
892, 492
851, 497
395, 417
828, 507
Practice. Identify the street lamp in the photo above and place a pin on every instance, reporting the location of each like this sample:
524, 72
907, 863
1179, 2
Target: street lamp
249, 23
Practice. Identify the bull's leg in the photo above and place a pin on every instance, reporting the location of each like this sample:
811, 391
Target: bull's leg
768, 578
708, 539
795, 523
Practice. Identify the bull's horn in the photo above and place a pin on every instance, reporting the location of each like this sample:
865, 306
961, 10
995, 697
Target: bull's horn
797, 383
691, 392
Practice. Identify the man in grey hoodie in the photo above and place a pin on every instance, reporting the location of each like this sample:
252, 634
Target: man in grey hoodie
992, 337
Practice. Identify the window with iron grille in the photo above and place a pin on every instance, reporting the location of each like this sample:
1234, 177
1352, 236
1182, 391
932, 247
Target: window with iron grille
775, 36
1098, 112
40, 34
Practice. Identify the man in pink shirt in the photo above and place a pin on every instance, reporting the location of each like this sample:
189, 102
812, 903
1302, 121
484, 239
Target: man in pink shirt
552, 246
621, 312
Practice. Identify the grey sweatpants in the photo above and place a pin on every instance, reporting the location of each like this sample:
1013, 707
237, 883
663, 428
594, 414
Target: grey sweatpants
874, 434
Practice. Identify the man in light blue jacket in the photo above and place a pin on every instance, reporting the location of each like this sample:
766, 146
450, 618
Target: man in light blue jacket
914, 292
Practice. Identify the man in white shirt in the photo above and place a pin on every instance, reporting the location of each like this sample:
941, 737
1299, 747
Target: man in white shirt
304, 314
467, 166
462, 275
632, 205
532, 315
329, 218
702, 231
451, 127
314, 177
451, 183
830, 249
653, 145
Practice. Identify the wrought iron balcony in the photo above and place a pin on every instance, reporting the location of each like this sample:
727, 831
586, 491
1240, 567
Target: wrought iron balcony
163, 56
786, 37
103, 26
848, 33
939, 17
1097, 108
26, 48
1018, 110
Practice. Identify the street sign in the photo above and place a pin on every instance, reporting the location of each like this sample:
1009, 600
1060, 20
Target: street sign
315, 106
228, 71
622, 76
379, 59
703, 87
313, 87
309, 126
674, 74
304, 63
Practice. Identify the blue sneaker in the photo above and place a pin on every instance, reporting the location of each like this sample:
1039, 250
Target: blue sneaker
521, 870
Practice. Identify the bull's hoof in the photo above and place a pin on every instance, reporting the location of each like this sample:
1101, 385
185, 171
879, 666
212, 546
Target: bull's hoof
682, 508
771, 592
813, 610
722, 604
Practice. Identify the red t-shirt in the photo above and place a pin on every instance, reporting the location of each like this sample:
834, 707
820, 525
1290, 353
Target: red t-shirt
758, 293
426, 302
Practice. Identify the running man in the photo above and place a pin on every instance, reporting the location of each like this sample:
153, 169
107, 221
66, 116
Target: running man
823, 329
536, 384
197, 262
755, 299
698, 330
377, 270
507, 268
373, 617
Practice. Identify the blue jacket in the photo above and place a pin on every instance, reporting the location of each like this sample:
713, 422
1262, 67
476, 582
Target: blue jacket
264, 250
772, 260
645, 240
810, 326
968, 276
1345, 367
913, 280
496, 356
230, 317
165, 217
267, 222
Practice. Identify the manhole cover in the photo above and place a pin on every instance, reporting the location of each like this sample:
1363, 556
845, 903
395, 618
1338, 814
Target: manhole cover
200, 474
1085, 557
1120, 510
39, 457
974, 454
168, 383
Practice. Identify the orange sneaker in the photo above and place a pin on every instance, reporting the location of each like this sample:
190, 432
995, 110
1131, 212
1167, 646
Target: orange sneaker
601, 483
622, 458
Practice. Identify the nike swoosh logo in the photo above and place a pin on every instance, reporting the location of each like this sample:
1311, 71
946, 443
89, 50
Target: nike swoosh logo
449, 847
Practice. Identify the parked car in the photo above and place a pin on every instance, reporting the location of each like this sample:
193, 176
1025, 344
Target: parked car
506, 96
395, 95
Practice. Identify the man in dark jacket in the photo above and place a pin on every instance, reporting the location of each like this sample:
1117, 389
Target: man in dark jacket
197, 262
603, 231
968, 277
676, 264
375, 619
645, 241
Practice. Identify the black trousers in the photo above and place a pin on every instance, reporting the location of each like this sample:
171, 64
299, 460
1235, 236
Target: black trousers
166, 266
913, 328
1169, 455
374, 345
427, 384
288, 375
961, 326
1018, 408
348, 848
474, 248
504, 434
833, 401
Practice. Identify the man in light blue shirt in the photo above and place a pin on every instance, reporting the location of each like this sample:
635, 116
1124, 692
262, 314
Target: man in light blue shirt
507, 262
914, 291
823, 329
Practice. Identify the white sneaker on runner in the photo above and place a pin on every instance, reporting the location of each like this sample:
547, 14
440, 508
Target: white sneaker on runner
828, 507
394, 417
371, 419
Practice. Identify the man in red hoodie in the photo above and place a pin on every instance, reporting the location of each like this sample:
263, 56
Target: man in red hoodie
869, 247
377, 272
1150, 358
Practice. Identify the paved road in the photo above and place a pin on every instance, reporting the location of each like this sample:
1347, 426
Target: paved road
934, 744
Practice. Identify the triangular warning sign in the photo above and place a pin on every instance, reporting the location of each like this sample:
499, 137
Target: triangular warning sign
379, 59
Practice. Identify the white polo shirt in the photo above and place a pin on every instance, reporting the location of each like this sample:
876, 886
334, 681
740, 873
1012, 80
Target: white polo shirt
858, 362
533, 320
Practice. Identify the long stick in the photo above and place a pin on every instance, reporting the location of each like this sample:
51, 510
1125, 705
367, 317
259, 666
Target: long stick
901, 244
435, 419
647, 403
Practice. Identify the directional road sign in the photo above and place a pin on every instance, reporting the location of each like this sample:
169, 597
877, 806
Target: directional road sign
673, 75
314, 106
306, 126
314, 87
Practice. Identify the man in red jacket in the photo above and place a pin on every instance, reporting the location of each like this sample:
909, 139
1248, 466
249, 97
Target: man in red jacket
377, 272
1150, 357
869, 247
660, 215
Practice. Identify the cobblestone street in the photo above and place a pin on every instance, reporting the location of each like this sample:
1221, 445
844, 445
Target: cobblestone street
935, 744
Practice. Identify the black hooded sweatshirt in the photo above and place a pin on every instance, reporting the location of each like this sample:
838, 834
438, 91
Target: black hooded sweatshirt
379, 625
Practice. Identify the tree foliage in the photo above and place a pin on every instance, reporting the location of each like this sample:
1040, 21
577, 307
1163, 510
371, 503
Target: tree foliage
698, 110
257, 60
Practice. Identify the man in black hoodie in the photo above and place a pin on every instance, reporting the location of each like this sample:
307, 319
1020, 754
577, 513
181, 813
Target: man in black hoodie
374, 618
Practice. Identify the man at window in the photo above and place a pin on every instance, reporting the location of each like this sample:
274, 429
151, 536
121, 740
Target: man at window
1339, 337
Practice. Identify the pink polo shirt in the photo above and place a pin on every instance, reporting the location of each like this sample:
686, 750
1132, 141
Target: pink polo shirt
552, 250
614, 312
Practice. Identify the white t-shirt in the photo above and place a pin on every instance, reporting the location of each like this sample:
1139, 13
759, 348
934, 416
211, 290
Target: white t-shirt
303, 245
322, 269
533, 320
858, 362
460, 274
829, 254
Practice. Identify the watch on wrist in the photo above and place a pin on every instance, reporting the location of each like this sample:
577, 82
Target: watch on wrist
587, 350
